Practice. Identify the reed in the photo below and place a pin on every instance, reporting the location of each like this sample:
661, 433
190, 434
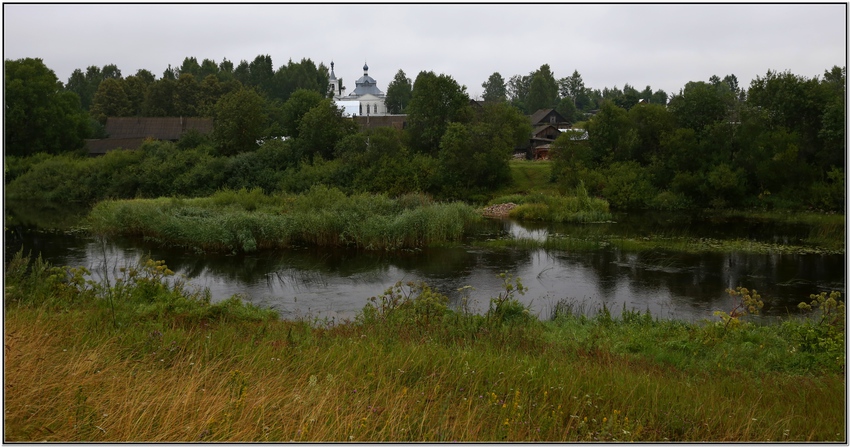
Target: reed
246, 221
180, 369
552, 207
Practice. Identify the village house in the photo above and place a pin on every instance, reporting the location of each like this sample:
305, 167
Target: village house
547, 125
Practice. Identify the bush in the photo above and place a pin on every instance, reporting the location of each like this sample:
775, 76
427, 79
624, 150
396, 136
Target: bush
628, 186
669, 201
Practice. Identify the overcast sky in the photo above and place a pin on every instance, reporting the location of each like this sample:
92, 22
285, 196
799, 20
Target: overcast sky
660, 45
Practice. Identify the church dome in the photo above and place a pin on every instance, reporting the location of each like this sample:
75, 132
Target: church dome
366, 85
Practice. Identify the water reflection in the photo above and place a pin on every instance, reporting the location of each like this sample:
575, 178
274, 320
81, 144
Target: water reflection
337, 283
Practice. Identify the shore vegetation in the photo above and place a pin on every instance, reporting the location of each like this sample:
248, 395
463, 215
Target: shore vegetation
249, 220
142, 357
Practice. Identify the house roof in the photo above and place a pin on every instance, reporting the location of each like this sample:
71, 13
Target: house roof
539, 129
167, 128
539, 115
100, 147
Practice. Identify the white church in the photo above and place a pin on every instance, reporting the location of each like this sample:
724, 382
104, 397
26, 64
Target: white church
366, 99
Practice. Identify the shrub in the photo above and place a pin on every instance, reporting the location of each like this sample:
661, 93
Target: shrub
628, 186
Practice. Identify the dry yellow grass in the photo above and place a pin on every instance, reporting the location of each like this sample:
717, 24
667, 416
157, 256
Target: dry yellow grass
66, 381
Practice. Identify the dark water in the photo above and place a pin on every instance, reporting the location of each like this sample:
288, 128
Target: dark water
314, 282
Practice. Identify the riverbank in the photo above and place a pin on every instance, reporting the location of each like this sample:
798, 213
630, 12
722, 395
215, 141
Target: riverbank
147, 359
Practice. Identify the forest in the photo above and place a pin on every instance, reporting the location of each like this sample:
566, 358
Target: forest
778, 144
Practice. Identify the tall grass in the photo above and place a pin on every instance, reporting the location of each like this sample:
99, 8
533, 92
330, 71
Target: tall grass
250, 220
180, 369
550, 207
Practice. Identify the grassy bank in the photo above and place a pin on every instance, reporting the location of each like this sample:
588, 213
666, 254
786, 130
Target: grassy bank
147, 359
245, 221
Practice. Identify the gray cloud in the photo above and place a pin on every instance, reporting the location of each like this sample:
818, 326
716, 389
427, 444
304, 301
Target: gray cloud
661, 45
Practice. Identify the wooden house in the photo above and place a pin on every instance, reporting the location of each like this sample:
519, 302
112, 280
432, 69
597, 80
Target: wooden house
549, 116
130, 132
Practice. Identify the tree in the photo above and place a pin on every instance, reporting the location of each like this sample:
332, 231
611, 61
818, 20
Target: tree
399, 93
629, 98
650, 123
495, 89
261, 74
78, 84
832, 131
571, 87
322, 127
572, 160
190, 66
795, 103
543, 90
607, 132
294, 109
474, 157
186, 95
40, 116
302, 75
169, 74
136, 87
85, 85
110, 100
566, 107
659, 97
700, 104
210, 92
518, 91
240, 120
436, 102
208, 67
225, 70
159, 100
506, 120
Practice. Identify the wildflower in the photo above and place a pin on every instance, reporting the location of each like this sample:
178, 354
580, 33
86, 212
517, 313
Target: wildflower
604, 420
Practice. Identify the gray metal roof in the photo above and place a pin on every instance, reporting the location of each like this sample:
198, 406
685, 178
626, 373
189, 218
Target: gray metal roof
366, 85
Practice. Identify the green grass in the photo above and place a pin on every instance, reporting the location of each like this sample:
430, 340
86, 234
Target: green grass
554, 207
529, 177
149, 360
246, 221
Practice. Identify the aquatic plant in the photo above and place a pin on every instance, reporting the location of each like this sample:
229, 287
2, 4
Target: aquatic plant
551, 207
233, 221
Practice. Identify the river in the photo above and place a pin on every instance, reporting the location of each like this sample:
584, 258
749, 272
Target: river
336, 283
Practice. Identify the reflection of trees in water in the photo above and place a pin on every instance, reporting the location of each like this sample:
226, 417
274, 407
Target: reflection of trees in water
694, 283
700, 280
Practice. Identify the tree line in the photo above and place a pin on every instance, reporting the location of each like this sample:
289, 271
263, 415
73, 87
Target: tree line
266, 136
778, 143
781, 143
